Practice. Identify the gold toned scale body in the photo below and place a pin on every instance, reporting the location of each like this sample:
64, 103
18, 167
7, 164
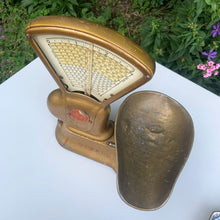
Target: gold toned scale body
94, 66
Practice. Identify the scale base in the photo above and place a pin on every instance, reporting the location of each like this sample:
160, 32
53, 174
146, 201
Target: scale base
101, 151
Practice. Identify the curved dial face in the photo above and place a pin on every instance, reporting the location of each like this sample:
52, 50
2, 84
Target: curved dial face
88, 68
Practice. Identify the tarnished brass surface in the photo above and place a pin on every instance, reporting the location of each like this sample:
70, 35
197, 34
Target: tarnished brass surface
154, 136
92, 138
85, 119
100, 151
97, 127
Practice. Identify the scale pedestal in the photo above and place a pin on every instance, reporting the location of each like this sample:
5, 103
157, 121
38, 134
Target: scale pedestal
101, 151
83, 126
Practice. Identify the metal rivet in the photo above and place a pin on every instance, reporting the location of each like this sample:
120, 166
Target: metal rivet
111, 144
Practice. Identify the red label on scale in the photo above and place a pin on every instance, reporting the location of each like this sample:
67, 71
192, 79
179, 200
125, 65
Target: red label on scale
79, 115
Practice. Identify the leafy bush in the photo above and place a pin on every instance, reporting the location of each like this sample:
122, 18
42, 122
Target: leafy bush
103, 18
214, 7
144, 6
178, 38
15, 51
56, 7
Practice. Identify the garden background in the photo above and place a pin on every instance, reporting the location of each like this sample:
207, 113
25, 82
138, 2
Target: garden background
183, 35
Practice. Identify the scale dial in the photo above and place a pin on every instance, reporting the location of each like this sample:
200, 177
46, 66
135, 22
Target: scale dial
86, 67
84, 57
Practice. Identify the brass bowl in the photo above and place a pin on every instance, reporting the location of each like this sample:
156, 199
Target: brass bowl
154, 136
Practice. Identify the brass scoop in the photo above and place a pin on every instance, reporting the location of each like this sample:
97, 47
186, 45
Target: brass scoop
154, 136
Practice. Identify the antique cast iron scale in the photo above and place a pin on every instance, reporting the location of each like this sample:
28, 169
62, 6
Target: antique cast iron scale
152, 136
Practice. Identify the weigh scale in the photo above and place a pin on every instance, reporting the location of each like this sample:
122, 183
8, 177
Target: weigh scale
151, 138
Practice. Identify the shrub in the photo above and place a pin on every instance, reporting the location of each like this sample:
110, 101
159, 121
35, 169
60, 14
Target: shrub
56, 7
178, 38
14, 49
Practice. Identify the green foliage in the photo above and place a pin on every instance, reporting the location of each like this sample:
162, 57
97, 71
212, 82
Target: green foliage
61, 7
141, 5
144, 6
15, 51
102, 19
178, 39
214, 7
118, 15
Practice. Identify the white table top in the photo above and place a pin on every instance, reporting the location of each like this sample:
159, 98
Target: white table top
39, 180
